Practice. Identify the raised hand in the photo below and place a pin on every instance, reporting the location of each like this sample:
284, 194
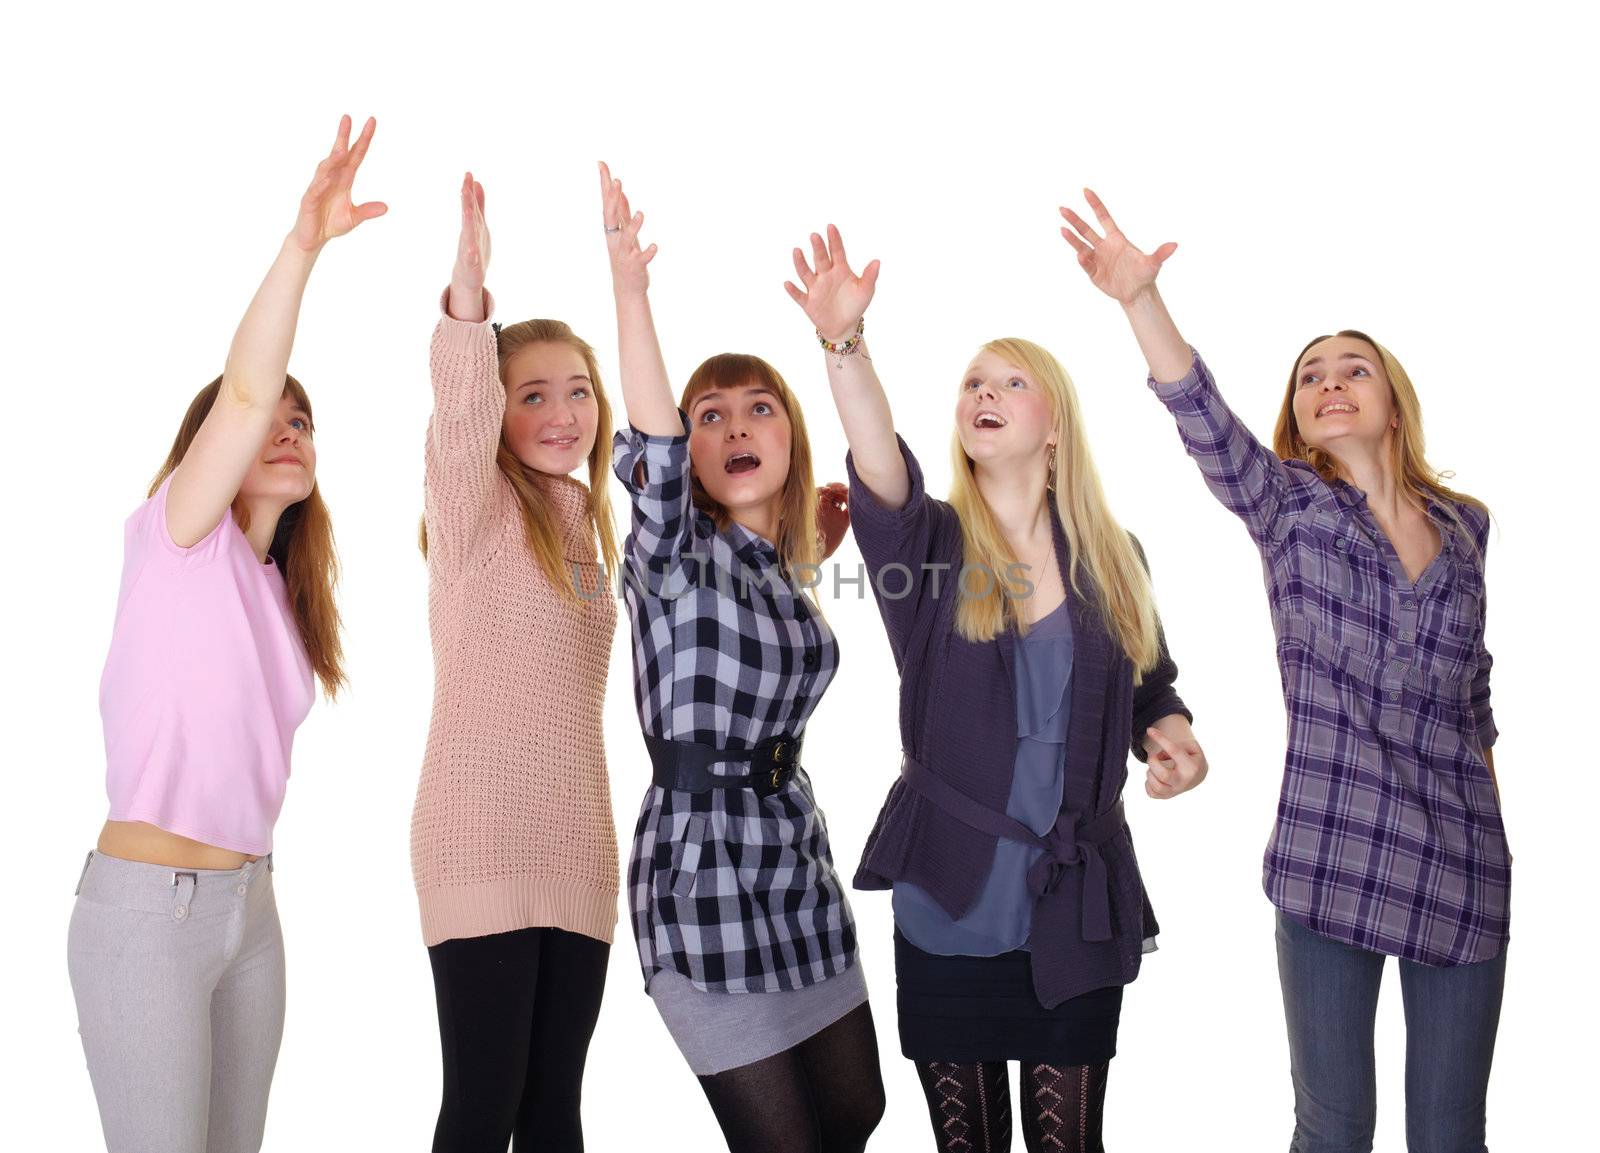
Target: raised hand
833, 516
629, 264
472, 255
834, 297
1117, 268
326, 210
1173, 766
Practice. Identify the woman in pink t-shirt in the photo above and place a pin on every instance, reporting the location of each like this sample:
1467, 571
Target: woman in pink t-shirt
225, 614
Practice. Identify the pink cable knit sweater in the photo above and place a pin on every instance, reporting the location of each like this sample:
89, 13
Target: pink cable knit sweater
512, 827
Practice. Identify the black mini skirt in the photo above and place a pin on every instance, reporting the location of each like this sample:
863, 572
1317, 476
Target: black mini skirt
970, 1009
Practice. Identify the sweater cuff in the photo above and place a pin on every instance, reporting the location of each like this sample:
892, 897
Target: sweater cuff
866, 512
463, 335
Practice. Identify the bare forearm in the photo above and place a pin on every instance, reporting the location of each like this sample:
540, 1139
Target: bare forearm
1163, 345
258, 359
466, 304
646, 391
868, 426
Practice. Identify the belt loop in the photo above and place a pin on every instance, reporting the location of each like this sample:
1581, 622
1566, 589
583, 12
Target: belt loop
269, 862
87, 861
183, 884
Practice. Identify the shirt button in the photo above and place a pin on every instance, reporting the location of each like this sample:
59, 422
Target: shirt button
180, 912
1394, 696
1407, 635
810, 659
242, 889
1339, 544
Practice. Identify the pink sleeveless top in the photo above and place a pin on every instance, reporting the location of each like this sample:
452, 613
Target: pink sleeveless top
206, 681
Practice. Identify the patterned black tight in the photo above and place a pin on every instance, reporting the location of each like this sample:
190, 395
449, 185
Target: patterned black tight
1063, 1106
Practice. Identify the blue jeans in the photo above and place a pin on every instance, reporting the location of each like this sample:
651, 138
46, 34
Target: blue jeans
1330, 1000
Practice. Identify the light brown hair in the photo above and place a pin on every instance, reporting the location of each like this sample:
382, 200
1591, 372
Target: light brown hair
797, 544
302, 546
539, 526
1417, 478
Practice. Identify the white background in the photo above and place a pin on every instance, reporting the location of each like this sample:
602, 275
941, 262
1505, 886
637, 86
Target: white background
1421, 175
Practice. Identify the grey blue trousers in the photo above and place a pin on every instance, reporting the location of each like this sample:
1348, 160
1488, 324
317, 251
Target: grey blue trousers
178, 977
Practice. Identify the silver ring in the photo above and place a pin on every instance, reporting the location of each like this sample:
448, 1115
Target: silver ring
614, 228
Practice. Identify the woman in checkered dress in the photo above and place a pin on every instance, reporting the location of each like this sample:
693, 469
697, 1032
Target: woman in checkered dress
1389, 840
745, 937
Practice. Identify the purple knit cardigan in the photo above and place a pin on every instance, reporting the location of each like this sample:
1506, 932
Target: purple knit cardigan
958, 718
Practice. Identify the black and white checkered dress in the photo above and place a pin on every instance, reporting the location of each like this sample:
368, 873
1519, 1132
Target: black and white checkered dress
735, 892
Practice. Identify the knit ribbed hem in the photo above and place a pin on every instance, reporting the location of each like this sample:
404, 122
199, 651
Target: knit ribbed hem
454, 911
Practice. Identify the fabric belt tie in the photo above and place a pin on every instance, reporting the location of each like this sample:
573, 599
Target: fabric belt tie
1072, 843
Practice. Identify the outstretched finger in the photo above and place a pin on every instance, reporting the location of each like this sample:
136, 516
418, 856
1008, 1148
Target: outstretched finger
341, 138
1160, 255
836, 247
1072, 238
819, 255
803, 270
869, 276
370, 210
794, 293
1100, 212
1082, 226
363, 142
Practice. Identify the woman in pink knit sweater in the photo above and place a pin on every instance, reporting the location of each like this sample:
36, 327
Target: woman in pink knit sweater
512, 844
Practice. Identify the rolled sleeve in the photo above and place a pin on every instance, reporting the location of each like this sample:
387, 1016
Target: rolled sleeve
655, 471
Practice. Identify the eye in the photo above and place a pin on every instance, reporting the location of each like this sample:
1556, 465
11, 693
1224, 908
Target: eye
969, 385
1017, 382
580, 393
299, 424
762, 408
533, 398
1308, 379
1359, 370
710, 416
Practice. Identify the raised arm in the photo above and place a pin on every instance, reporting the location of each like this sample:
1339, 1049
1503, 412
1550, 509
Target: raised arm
469, 401
208, 478
835, 299
1245, 475
646, 391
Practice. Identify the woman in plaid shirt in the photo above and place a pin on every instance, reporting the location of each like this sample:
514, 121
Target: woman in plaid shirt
745, 936
1388, 839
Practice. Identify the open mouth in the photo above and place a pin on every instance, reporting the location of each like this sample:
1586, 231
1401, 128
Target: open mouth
741, 462
987, 419
1336, 406
559, 441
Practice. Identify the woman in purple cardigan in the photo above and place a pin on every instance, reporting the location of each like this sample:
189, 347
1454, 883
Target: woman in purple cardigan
1031, 658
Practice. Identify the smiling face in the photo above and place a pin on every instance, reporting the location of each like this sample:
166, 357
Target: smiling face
551, 413
1002, 415
1342, 396
286, 467
739, 442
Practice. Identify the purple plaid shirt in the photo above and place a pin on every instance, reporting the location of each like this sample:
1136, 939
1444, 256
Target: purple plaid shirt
1388, 834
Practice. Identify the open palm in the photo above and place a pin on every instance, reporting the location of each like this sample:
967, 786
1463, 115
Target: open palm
834, 297
327, 210
1116, 267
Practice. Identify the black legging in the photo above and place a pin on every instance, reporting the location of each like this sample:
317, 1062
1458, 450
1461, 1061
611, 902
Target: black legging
516, 1011
1063, 1106
824, 1095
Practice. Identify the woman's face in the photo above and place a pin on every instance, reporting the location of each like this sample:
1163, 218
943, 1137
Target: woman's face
551, 412
1003, 417
739, 442
285, 469
1342, 397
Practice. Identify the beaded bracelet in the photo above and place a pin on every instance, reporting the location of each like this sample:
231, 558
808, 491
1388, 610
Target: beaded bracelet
845, 347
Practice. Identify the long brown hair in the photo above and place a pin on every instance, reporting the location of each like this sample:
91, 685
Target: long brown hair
539, 526
797, 542
302, 546
1098, 546
1417, 478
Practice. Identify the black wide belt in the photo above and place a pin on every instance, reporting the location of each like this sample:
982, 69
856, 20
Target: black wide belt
686, 765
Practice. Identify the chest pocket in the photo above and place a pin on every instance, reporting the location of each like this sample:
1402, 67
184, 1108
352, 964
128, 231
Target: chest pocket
1339, 573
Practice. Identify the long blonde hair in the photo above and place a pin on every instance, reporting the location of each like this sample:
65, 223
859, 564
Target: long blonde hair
539, 525
1098, 547
797, 544
302, 546
1418, 479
